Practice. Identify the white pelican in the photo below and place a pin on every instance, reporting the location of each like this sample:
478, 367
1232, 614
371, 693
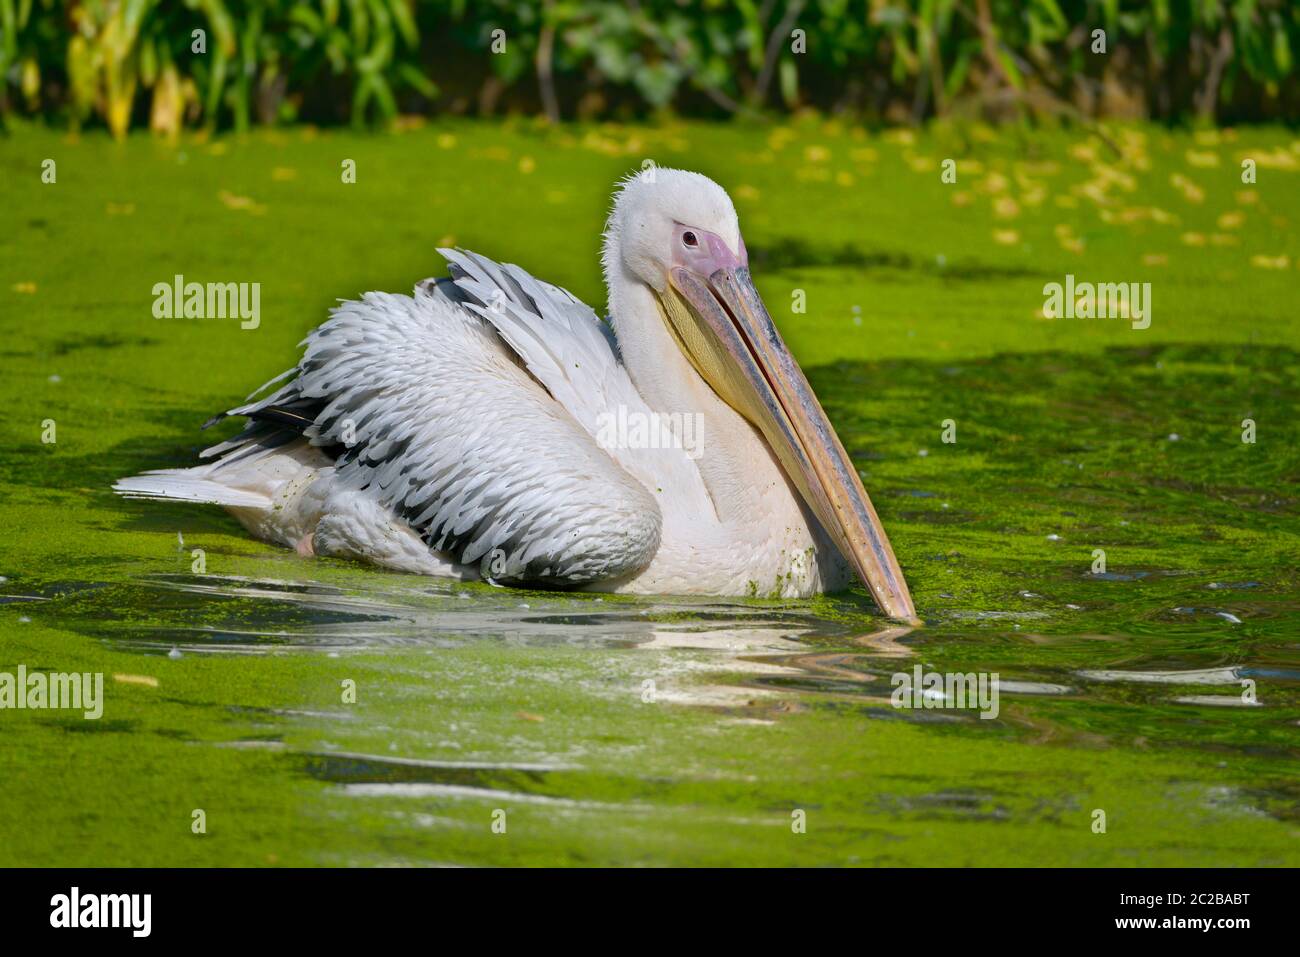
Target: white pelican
490, 425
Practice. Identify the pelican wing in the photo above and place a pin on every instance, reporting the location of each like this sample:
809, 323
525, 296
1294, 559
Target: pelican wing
574, 355
424, 408
557, 336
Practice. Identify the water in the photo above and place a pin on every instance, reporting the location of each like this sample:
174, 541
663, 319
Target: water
618, 730
319, 712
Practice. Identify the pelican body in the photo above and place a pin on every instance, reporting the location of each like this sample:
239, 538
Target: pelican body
491, 426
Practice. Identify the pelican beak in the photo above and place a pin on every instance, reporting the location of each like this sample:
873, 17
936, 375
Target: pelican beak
721, 324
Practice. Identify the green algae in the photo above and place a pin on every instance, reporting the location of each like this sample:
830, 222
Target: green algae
620, 730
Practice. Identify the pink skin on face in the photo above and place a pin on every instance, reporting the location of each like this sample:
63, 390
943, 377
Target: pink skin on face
717, 284
704, 253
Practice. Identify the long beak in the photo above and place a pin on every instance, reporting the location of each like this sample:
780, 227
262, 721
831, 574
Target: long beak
734, 344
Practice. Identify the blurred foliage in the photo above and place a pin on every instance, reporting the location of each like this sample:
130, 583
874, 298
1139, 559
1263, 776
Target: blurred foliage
209, 61
234, 62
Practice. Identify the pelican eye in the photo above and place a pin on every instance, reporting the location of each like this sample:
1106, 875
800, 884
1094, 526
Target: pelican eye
688, 238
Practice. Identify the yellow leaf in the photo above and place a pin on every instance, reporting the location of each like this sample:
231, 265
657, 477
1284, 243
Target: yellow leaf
31, 80
147, 681
231, 201
1191, 192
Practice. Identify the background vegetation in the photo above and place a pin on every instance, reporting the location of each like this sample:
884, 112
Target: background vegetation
134, 62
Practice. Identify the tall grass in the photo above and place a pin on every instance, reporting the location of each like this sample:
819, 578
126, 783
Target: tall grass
236, 62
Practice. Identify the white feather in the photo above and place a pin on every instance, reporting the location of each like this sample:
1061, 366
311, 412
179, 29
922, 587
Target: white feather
455, 432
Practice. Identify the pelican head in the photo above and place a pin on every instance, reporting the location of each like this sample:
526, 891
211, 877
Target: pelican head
677, 232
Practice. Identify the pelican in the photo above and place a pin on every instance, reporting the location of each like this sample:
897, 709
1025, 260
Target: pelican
491, 426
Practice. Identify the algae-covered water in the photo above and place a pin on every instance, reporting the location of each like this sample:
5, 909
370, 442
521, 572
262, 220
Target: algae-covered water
1071, 499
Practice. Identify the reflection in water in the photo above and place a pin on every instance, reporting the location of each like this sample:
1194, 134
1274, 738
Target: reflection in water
1164, 686
739, 654
1207, 676
430, 612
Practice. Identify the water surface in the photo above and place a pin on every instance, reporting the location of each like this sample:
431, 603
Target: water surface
320, 712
